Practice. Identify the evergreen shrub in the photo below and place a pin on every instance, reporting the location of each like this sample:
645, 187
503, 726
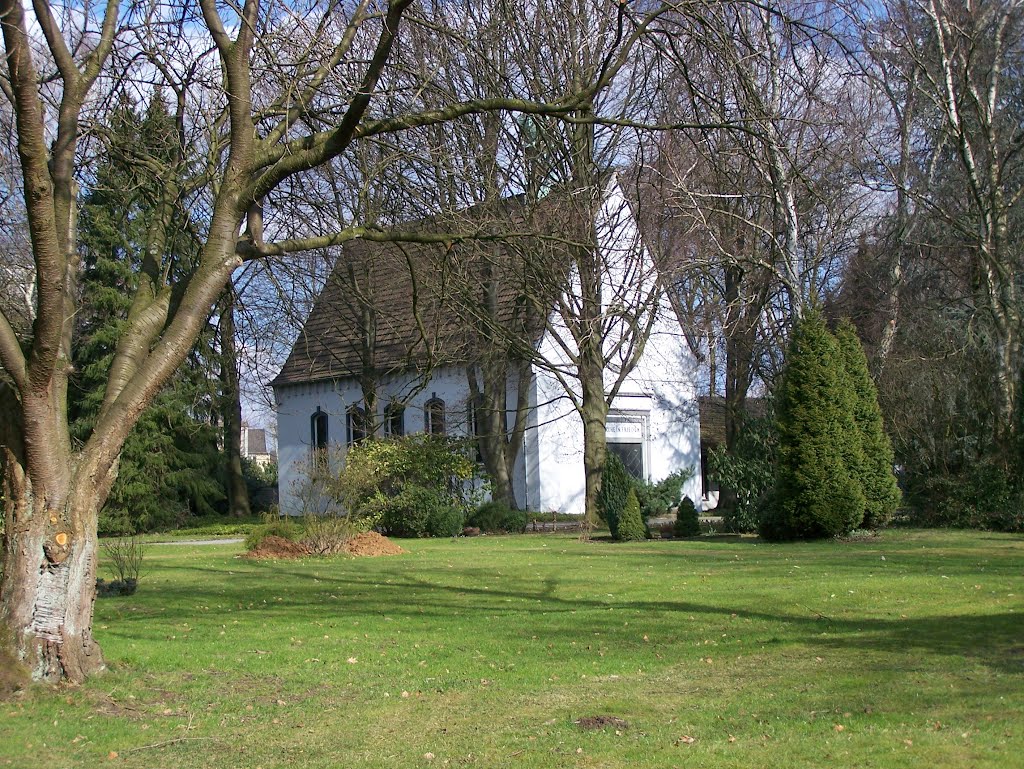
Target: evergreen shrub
875, 471
817, 493
687, 519
616, 483
631, 526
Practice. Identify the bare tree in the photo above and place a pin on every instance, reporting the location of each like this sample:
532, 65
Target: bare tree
320, 71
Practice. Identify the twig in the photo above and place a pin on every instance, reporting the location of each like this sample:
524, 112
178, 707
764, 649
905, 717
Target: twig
165, 743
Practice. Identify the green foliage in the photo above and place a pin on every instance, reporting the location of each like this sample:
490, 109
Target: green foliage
170, 467
446, 521
261, 483
748, 470
659, 498
616, 483
284, 527
687, 522
631, 525
817, 493
402, 483
496, 517
875, 471
986, 495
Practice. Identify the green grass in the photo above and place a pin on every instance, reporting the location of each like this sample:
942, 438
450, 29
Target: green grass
901, 651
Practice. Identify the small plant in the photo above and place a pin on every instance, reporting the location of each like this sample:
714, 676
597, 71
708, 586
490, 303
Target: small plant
125, 555
687, 520
631, 525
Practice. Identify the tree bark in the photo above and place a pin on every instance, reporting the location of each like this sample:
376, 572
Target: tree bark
49, 579
231, 402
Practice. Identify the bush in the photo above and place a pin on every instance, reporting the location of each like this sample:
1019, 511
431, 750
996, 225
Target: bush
985, 495
748, 471
274, 526
875, 472
657, 499
327, 534
631, 526
817, 493
398, 483
446, 521
687, 520
495, 517
616, 483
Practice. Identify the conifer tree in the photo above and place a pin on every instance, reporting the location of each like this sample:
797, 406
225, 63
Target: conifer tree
631, 524
170, 463
616, 483
817, 492
877, 480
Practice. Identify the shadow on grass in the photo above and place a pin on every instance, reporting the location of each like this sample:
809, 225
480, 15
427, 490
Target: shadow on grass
992, 639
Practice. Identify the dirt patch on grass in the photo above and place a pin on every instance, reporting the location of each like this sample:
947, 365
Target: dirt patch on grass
594, 723
278, 547
370, 543
367, 544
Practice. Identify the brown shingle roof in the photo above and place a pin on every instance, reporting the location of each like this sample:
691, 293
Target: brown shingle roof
392, 306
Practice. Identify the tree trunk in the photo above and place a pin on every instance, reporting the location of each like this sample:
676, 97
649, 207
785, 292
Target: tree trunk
238, 493
49, 580
595, 450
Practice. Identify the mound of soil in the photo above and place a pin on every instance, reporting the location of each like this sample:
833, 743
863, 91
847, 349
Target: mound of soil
370, 543
278, 547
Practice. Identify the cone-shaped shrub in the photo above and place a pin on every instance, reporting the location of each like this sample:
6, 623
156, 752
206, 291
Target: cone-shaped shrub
817, 493
616, 483
631, 524
875, 473
687, 519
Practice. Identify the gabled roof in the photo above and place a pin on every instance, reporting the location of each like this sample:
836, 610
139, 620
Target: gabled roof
393, 306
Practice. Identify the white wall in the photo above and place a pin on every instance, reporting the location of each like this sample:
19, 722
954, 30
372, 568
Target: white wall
297, 403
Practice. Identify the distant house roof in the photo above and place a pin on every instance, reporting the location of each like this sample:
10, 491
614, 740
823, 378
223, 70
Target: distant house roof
255, 441
712, 416
390, 306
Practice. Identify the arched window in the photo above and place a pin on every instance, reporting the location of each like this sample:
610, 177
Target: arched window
433, 416
355, 424
318, 429
394, 420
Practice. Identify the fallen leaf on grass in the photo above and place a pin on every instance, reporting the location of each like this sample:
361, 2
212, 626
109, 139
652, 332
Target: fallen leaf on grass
685, 740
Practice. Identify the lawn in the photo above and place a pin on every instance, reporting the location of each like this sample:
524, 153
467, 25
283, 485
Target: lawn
905, 650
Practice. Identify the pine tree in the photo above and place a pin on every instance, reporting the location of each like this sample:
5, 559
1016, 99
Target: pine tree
631, 524
877, 480
170, 465
817, 492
